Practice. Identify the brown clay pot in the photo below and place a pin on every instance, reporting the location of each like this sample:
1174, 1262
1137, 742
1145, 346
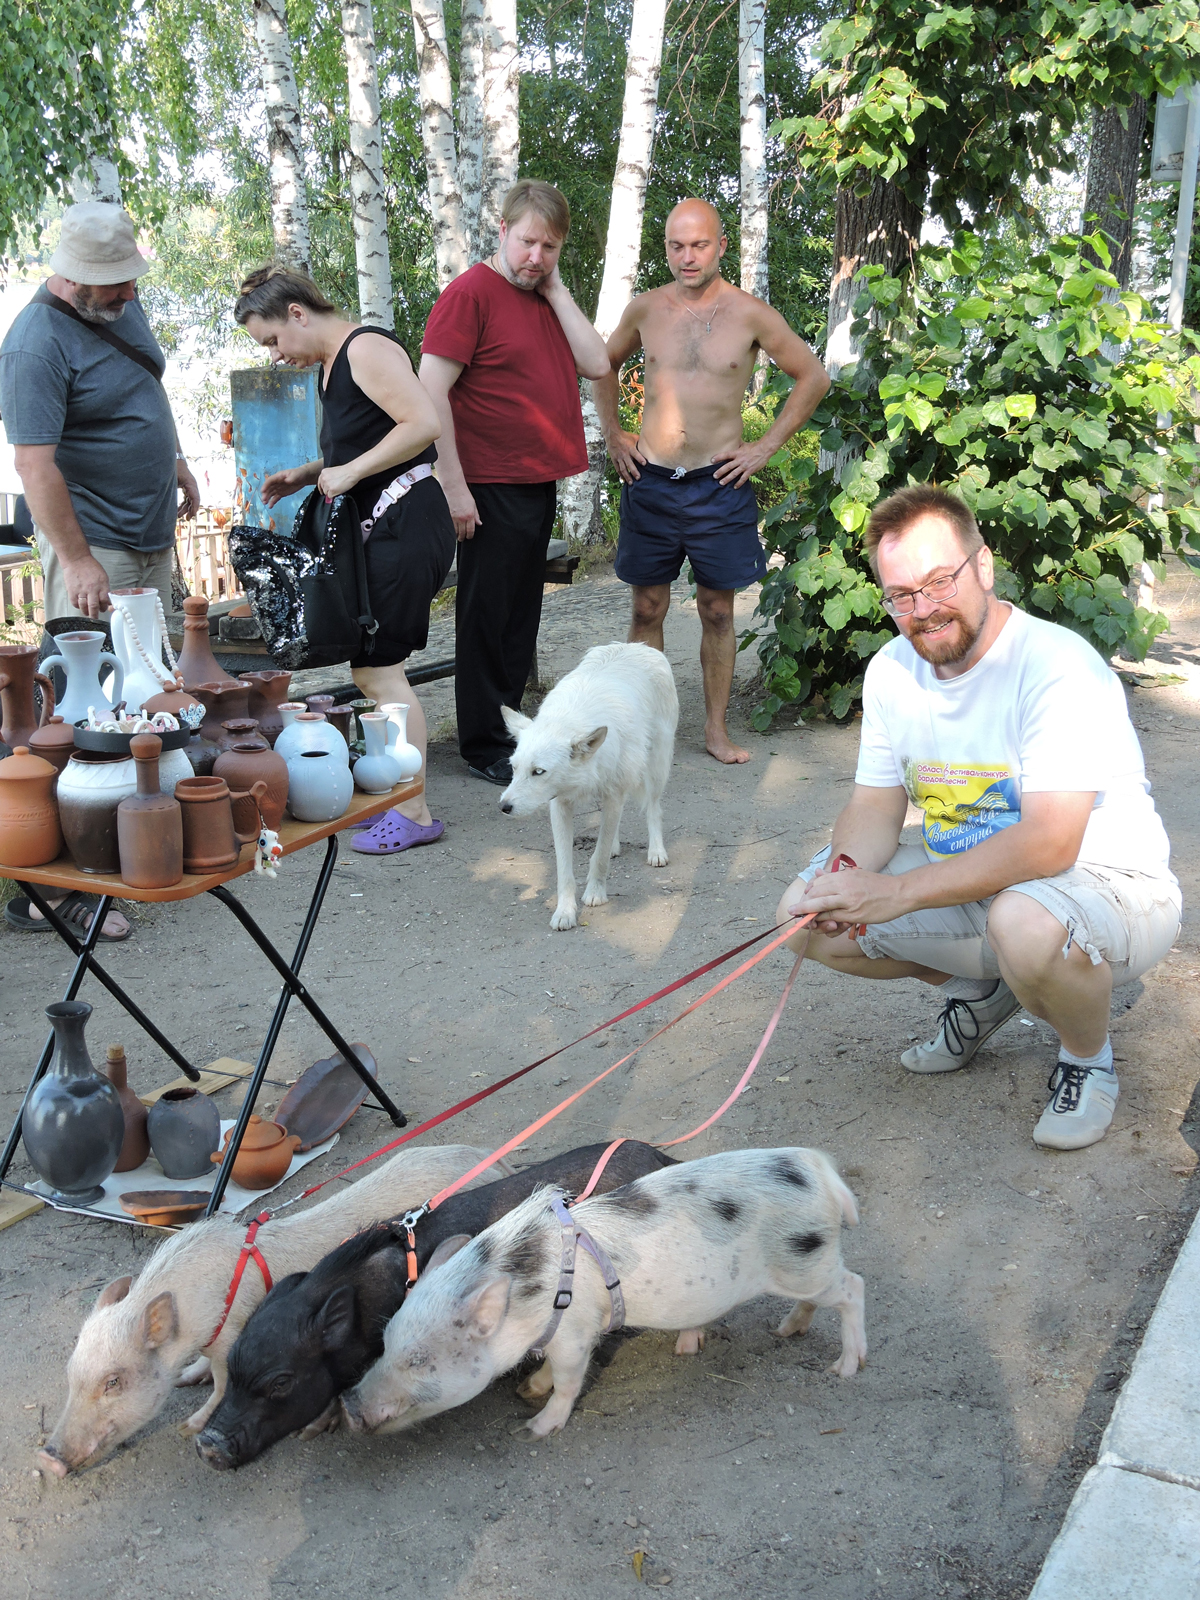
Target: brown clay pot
55, 743
149, 824
268, 691
318, 702
247, 819
240, 730
209, 842
247, 762
29, 832
172, 700
222, 702
197, 662
89, 791
341, 718
136, 1147
18, 719
265, 1154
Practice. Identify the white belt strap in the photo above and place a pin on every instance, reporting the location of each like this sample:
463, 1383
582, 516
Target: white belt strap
396, 490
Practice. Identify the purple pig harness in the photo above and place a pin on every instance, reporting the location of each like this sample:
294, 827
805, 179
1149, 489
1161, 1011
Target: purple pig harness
572, 1233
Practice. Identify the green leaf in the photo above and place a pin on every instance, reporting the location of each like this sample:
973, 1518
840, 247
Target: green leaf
1091, 434
836, 611
918, 411
1021, 405
1052, 344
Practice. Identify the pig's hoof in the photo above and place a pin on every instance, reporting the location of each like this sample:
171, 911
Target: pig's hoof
198, 1371
535, 1390
326, 1423
544, 1424
848, 1365
690, 1342
563, 919
595, 895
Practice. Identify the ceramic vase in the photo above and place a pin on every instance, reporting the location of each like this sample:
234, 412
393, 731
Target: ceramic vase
137, 636
247, 762
149, 824
342, 718
184, 1128
319, 786
222, 702
289, 710
72, 1124
80, 659
29, 832
55, 743
406, 756
136, 1145
375, 772
320, 703
238, 730
209, 842
310, 731
173, 765
90, 789
268, 691
18, 719
197, 662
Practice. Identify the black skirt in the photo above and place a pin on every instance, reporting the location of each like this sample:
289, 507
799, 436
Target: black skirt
409, 553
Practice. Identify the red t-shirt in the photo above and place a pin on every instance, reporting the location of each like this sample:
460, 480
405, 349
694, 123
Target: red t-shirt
516, 403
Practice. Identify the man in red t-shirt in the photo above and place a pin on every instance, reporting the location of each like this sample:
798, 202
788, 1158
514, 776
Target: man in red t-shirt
503, 350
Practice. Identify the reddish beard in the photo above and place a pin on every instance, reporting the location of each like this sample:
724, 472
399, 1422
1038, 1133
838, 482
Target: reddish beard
950, 647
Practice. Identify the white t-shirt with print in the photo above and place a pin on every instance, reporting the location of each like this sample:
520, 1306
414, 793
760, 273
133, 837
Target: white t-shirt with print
1041, 711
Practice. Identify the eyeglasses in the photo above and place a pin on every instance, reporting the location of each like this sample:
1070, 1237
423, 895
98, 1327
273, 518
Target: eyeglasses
904, 602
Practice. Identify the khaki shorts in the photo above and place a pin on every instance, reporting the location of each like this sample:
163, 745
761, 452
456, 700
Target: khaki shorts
1128, 919
127, 569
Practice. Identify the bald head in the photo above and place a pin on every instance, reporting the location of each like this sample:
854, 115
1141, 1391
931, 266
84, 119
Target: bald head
695, 243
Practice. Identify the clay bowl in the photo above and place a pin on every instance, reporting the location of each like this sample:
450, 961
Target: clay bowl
265, 1155
324, 1098
117, 744
163, 1208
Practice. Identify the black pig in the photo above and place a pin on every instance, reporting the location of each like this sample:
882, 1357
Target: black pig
317, 1332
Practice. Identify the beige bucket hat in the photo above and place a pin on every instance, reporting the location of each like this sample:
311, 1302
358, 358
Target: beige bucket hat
97, 245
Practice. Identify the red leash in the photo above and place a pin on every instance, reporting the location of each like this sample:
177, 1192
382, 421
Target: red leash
249, 1251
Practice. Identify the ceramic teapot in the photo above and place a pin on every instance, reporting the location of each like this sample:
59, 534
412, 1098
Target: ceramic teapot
265, 1154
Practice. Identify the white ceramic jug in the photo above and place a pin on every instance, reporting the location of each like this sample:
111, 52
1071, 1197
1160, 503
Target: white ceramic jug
138, 635
406, 756
376, 772
80, 659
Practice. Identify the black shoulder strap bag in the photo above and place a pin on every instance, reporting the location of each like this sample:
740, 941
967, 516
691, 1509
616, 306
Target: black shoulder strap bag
102, 331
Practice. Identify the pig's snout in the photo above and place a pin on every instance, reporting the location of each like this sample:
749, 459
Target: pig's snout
217, 1451
49, 1460
353, 1415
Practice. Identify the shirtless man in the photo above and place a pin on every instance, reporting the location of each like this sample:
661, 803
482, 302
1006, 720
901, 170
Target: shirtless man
701, 337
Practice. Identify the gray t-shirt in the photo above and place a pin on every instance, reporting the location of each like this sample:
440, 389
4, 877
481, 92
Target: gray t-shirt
61, 384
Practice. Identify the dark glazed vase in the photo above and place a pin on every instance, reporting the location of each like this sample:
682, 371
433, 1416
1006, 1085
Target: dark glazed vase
184, 1128
268, 691
136, 1145
72, 1124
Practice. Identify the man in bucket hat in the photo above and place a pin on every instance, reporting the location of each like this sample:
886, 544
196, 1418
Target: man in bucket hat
83, 405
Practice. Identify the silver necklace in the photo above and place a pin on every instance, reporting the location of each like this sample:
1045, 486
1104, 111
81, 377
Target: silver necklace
707, 325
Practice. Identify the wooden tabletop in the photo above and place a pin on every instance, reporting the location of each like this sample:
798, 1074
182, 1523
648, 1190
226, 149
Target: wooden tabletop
64, 874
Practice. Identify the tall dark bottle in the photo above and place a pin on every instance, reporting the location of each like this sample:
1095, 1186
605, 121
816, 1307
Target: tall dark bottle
72, 1124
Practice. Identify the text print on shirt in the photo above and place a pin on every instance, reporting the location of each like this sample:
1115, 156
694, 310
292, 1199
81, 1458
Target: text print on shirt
962, 806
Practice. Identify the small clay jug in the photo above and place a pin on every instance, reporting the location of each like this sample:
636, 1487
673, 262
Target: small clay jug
173, 700
55, 743
184, 1128
247, 812
268, 691
222, 702
238, 730
89, 792
209, 842
72, 1124
136, 1146
149, 824
264, 1156
197, 662
18, 719
29, 831
318, 702
247, 762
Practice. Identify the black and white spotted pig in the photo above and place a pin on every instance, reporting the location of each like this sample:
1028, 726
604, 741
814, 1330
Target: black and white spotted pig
689, 1244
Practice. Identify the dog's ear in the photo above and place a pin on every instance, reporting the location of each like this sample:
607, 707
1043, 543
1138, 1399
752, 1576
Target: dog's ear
587, 746
515, 721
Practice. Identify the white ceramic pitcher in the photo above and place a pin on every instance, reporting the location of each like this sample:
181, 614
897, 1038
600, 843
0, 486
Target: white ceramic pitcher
137, 621
80, 659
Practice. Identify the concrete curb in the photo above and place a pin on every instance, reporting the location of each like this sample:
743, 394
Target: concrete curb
1133, 1528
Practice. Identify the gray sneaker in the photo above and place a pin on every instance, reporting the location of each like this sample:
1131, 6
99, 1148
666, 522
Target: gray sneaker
963, 1027
1082, 1103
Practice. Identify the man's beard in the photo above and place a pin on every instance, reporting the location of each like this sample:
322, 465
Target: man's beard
950, 647
517, 281
90, 312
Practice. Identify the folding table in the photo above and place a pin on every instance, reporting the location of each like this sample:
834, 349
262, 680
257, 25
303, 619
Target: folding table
63, 875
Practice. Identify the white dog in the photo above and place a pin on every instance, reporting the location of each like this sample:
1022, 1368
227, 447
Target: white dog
604, 735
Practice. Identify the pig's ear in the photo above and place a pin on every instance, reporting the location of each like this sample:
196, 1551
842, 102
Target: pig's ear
515, 721
447, 1248
589, 744
334, 1322
486, 1307
159, 1321
113, 1292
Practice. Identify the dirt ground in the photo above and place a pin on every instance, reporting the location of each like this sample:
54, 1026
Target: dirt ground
1006, 1287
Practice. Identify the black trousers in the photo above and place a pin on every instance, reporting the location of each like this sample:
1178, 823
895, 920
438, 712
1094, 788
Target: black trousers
501, 573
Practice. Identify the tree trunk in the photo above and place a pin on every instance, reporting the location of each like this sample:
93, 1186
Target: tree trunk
289, 198
501, 129
96, 179
470, 125
366, 167
1112, 179
580, 496
752, 44
437, 135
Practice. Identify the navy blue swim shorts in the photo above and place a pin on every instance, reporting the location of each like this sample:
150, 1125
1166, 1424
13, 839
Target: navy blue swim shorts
667, 516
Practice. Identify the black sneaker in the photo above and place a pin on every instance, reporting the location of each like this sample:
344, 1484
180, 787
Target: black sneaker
499, 773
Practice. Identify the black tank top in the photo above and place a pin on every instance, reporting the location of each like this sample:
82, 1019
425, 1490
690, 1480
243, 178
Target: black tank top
352, 423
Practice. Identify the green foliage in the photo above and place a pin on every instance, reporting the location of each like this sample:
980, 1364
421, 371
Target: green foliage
1062, 418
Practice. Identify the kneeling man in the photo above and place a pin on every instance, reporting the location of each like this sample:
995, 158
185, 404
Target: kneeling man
1043, 875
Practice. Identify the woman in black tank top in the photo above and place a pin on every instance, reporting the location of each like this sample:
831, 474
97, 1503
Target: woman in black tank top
377, 433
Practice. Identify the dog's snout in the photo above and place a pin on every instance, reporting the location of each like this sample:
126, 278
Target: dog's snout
506, 807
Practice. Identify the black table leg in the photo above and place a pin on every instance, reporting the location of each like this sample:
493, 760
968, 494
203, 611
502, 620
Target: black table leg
291, 986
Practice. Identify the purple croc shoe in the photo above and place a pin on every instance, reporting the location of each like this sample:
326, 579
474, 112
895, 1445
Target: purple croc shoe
394, 832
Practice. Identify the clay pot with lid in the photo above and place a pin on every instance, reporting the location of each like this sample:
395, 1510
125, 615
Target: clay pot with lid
18, 719
197, 662
222, 702
149, 824
29, 832
265, 1154
247, 762
173, 700
268, 691
55, 743
209, 842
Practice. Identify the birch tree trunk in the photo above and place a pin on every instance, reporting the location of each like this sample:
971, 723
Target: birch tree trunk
580, 496
752, 92
470, 125
96, 179
289, 197
1114, 162
367, 194
501, 128
436, 97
